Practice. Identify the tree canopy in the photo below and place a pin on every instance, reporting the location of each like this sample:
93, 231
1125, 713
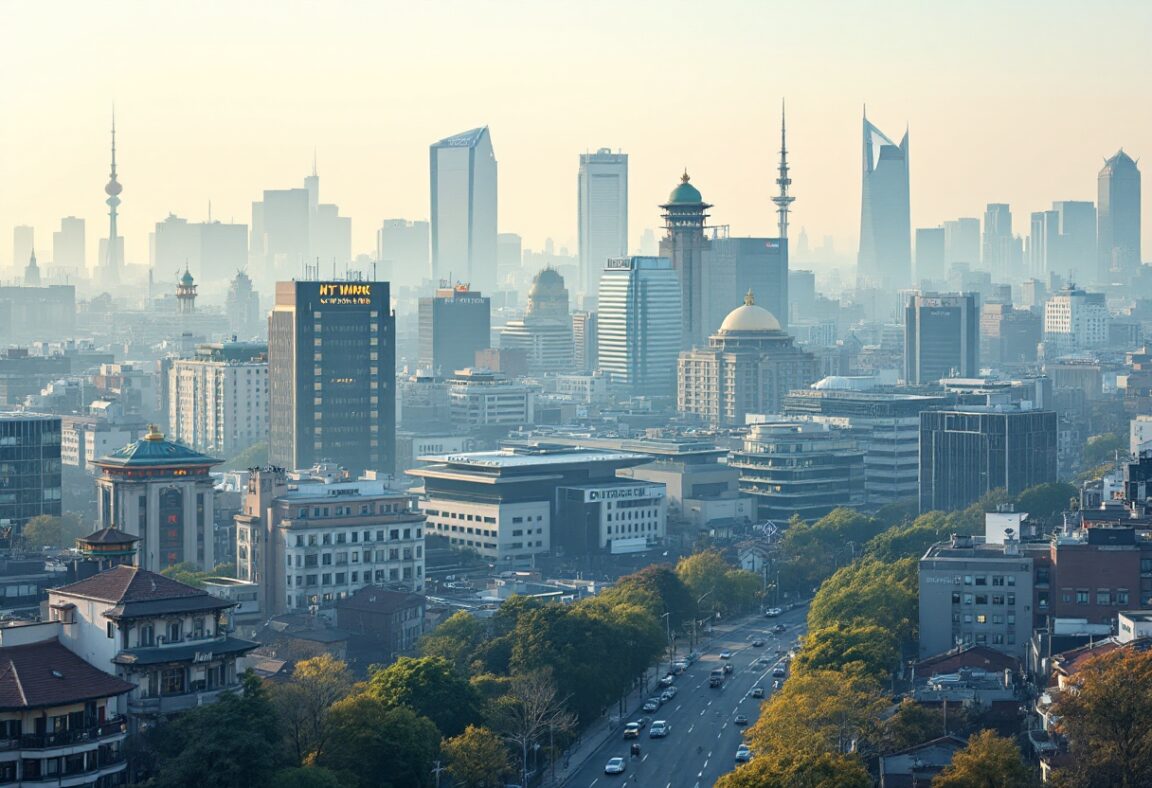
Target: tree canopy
477, 758
375, 746
431, 687
49, 530
304, 702
726, 588
989, 761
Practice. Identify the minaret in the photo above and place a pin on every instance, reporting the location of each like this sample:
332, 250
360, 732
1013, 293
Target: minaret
684, 243
111, 273
783, 200
186, 293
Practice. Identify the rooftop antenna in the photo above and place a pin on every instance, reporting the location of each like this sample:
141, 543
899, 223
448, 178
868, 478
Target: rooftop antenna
783, 200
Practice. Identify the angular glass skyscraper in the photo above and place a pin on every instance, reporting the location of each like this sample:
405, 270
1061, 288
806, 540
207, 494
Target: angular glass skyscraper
885, 258
463, 186
640, 324
603, 197
1118, 219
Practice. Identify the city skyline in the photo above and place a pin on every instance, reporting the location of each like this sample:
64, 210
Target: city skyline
191, 130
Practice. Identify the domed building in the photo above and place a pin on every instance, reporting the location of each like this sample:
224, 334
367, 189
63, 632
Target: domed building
749, 366
684, 243
545, 332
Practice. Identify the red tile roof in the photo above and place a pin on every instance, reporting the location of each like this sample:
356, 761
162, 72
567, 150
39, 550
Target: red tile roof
46, 674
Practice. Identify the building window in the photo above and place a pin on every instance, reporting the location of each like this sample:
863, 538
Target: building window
1122, 596
1081, 597
175, 630
146, 636
981, 618
997, 580
172, 682
981, 580
111, 630
1103, 596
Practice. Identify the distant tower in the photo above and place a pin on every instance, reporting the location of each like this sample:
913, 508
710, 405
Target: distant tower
783, 200
1118, 219
885, 259
684, 243
186, 293
32, 272
114, 258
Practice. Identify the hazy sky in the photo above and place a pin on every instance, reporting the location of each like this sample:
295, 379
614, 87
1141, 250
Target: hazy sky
1007, 101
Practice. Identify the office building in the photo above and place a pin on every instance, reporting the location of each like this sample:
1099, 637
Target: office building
308, 545
941, 337
1044, 244
584, 358
242, 306
1118, 219
968, 452
799, 467
683, 245
1008, 335
801, 295
1077, 245
30, 469
160, 492
931, 257
521, 501
280, 241
749, 366
639, 325
454, 324
962, 242
509, 254
545, 331
464, 209
998, 242
212, 250
1074, 320
603, 214
482, 398
402, 249
331, 373
68, 245
733, 266
218, 400
23, 244
885, 258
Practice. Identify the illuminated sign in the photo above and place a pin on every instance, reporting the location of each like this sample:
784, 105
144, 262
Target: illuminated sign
346, 293
619, 263
620, 493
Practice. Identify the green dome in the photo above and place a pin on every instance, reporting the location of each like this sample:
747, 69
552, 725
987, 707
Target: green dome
685, 193
187, 278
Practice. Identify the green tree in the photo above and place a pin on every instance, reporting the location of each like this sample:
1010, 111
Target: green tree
989, 761
477, 758
307, 777
303, 704
457, 640
914, 724
532, 708
659, 590
374, 746
431, 687
1099, 449
255, 455
49, 530
870, 592
865, 650
727, 588
1046, 502
793, 769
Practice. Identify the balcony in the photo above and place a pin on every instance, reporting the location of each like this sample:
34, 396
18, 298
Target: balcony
171, 704
43, 741
104, 763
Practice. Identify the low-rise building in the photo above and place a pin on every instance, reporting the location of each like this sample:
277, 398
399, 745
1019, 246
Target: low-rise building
482, 398
385, 624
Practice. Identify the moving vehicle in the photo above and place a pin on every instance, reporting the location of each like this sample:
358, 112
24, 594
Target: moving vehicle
772, 612
652, 704
616, 766
757, 643
632, 730
716, 678
728, 668
779, 672
668, 694
725, 655
779, 628
740, 720
743, 754
659, 729
667, 681
641, 721
757, 692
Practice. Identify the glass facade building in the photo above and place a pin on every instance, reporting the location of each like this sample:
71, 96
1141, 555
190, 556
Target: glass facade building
464, 202
639, 325
29, 469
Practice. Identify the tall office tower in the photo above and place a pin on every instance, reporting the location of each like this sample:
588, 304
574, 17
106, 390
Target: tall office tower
175, 245
281, 238
1044, 244
464, 209
1118, 236
23, 244
545, 332
402, 250
1077, 244
30, 457
242, 306
885, 226
998, 241
603, 199
968, 452
454, 324
331, 237
68, 244
223, 250
112, 250
584, 327
639, 324
962, 242
684, 245
218, 400
801, 294
509, 255
941, 337
930, 255
331, 373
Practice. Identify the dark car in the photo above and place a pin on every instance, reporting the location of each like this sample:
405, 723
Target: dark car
779, 628
757, 643
740, 720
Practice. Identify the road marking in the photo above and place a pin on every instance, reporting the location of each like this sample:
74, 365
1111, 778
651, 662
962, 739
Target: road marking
591, 784
645, 757
705, 766
679, 707
702, 713
690, 727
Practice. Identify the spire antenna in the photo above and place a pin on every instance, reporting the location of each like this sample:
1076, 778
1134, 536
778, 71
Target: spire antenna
783, 200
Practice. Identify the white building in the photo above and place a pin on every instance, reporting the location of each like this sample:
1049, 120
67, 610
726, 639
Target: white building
464, 203
481, 398
603, 198
1139, 434
639, 325
1073, 321
218, 401
590, 388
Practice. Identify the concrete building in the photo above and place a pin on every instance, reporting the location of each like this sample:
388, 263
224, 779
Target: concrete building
161, 493
23, 244
454, 324
481, 398
603, 214
1008, 335
30, 470
29, 314
340, 407
1076, 254
973, 593
69, 247
639, 325
962, 241
1074, 320
584, 358
310, 544
683, 245
970, 451
388, 623
885, 259
242, 307
941, 337
212, 250
509, 256
463, 177
402, 248
930, 255
1118, 220
749, 366
218, 401
998, 251
545, 331
798, 467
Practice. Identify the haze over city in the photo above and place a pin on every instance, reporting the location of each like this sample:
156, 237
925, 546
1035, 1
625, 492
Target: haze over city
1015, 102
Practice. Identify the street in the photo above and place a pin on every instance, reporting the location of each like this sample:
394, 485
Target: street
702, 739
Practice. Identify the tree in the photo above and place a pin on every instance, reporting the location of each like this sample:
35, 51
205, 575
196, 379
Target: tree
914, 724
304, 703
1046, 502
659, 590
1108, 721
727, 588
799, 770
1102, 448
49, 530
431, 687
864, 650
310, 777
870, 592
456, 640
255, 455
531, 709
477, 758
374, 746
989, 761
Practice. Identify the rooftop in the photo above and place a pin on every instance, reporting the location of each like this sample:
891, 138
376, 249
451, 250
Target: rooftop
45, 674
122, 584
519, 458
465, 139
152, 450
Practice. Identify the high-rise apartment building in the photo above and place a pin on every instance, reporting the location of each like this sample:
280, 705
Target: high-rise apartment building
967, 452
331, 373
68, 249
684, 245
218, 400
30, 469
941, 337
885, 258
930, 255
962, 241
23, 244
640, 324
454, 324
1118, 219
464, 209
402, 249
603, 214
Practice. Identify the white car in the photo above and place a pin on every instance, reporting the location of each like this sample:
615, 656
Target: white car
615, 766
659, 729
743, 754
772, 612
725, 655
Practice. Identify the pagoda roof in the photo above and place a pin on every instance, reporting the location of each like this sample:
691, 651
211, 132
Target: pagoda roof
152, 450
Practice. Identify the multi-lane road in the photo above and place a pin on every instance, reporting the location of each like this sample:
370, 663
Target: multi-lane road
703, 737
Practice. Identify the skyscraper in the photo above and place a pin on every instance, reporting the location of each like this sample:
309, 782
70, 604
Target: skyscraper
464, 209
603, 220
331, 362
1118, 217
210, 250
930, 255
402, 249
1076, 249
112, 258
885, 258
68, 244
1043, 244
962, 241
941, 337
683, 245
453, 324
291, 227
639, 324
998, 243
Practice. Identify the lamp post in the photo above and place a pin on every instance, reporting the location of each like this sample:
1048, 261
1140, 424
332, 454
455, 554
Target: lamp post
668, 633
694, 619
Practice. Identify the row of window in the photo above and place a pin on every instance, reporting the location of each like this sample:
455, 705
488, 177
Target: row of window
982, 599
983, 580
341, 578
982, 638
983, 618
340, 559
342, 537
1104, 596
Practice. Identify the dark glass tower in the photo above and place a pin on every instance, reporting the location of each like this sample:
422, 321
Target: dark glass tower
29, 469
454, 324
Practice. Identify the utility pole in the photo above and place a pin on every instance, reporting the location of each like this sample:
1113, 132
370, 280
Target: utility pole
436, 771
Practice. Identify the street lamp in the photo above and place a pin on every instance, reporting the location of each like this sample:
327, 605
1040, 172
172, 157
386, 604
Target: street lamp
694, 619
668, 633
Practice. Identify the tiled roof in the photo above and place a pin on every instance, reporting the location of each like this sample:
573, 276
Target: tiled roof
152, 450
45, 674
373, 599
122, 584
110, 536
